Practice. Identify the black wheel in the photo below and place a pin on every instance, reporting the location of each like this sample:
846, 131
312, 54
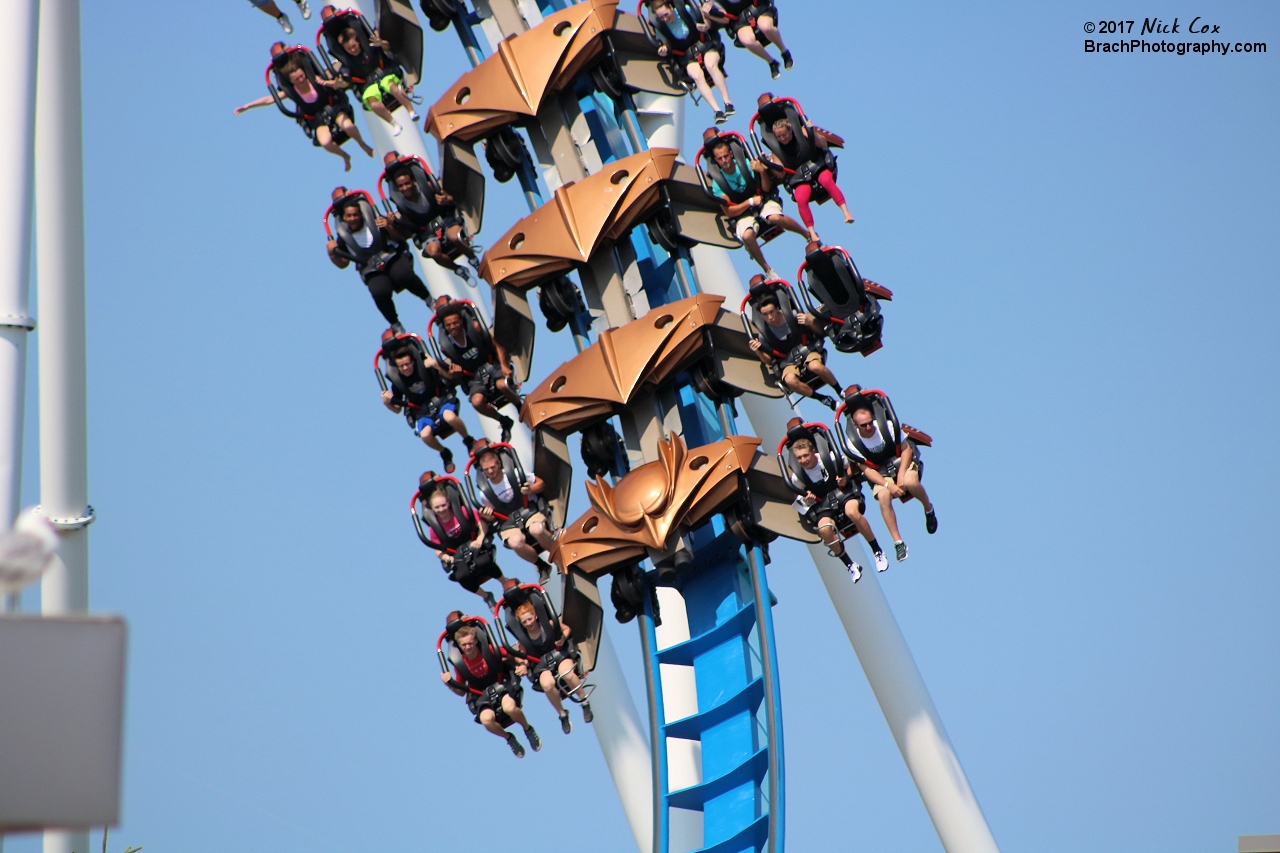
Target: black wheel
504, 152
628, 592
440, 13
601, 450
664, 231
705, 381
608, 79
559, 301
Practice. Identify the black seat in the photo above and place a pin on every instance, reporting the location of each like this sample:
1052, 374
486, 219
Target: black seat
280, 56
852, 303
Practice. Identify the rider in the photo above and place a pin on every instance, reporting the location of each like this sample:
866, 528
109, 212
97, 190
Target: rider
322, 109
892, 465
552, 656
750, 21
748, 198
681, 30
372, 71
466, 529
378, 253
826, 499
497, 691
474, 357
793, 343
803, 150
429, 218
526, 522
420, 391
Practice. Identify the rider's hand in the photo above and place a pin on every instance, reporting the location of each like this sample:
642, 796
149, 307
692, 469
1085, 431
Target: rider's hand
380, 221
896, 491
507, 371
446, 678
754, 345
804, 319
524, 488
756, 201
810, 498
522, 670
486, 512
757, 166
386, 397
662, 50
331, 245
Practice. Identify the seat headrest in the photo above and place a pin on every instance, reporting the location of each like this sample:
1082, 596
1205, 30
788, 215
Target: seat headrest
709, 134
812, 247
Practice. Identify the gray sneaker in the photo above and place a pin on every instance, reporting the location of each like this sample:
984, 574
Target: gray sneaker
587, 714
304, 9
535, 742
900, 550
515, 745
565, 725
283, 21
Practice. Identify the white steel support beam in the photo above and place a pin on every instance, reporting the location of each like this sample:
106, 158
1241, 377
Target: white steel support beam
877, 640
17, 133
59, 183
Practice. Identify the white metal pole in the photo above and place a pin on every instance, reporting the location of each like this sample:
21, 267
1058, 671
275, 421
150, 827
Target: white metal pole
17, 144
60, 280
877, 640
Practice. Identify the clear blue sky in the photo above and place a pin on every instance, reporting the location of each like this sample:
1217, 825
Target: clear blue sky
1084, 319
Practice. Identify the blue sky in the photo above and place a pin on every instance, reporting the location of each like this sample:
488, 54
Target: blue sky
1083, 319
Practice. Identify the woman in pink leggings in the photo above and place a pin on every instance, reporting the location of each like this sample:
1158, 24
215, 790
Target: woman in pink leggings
807, 160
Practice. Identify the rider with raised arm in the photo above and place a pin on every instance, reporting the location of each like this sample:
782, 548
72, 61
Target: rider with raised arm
751, 22
782, 340
419, 391
523, 527
377, 249
430, 220
829, 497
553, 656
371, 70
682, 31
487, 679
800, 155
890, 461
322, 109
474, 358
747, 197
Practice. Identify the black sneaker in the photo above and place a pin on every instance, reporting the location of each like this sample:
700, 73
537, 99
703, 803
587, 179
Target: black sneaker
397, 329
515, 745
565, 725
900, 550
488, 598
728, 109
721, 118
535, 742
787, 62
507, 424
587, 714
468, 442
829, 402
931, 521
775, 70
544, 571
446, 456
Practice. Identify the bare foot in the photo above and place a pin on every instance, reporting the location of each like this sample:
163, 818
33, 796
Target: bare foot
813, 236
346, 163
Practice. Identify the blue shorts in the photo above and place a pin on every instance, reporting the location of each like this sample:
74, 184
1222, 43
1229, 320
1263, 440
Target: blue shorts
426, 422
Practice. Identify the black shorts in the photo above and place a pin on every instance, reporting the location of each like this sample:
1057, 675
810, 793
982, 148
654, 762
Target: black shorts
832, 506
472, 567
485, 381
550, 662
749, 17
491, 700
697, 52
328, 117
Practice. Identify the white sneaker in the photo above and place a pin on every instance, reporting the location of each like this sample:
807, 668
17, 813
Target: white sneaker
396, 129
770, 274
855, 571
304, 9
283, 20
882, 562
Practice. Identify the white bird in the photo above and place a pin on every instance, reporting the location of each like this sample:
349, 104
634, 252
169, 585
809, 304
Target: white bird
26, 551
